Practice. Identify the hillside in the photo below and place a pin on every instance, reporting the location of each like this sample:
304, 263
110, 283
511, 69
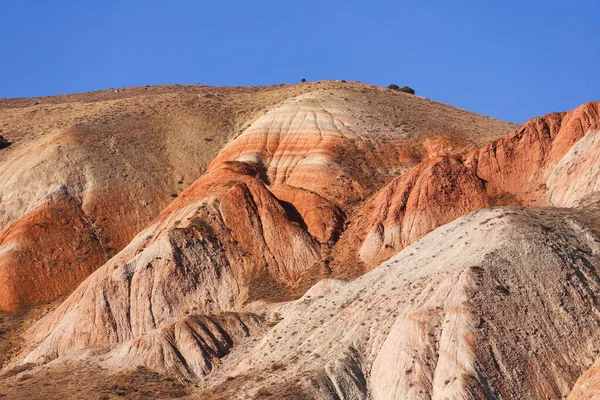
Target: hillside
323, 240
85, 173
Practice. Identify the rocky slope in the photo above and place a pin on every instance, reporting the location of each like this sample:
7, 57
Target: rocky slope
227, 239
548, 161
104, 165
334, 192
498, 304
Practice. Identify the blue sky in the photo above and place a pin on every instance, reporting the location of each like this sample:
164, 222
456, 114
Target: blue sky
508, 59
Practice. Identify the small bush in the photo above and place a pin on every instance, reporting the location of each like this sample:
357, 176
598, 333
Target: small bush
404, 89
272, 323
503, 289
263, 392
4, 143
277, 366
303, 80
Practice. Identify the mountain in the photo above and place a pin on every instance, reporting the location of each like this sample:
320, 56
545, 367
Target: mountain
323, 240
85, 173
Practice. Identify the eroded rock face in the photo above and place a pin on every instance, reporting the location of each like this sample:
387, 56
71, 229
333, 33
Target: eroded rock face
189, 348
588, 384
306, 143
522, 163
321, 218
432, 194
114, 165
500, 303
479, 308
257, 225
548, 161
121, 157
576, 174
77, 251
219, 250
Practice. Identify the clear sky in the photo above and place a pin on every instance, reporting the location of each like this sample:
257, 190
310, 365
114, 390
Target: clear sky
510, 59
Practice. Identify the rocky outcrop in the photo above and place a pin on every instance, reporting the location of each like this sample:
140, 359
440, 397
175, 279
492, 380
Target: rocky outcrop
434, 193
305, 143
216, 247
322, 219
500, 303
189, 348
497, 304
588, 384
523, 163
547, 161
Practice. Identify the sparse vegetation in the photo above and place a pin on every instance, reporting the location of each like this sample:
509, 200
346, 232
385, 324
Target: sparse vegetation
277, 366
405, 89
4, 143
263, 392
503, 289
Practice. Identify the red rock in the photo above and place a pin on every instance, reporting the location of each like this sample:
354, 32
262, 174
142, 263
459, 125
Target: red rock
57, 243
527, 167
